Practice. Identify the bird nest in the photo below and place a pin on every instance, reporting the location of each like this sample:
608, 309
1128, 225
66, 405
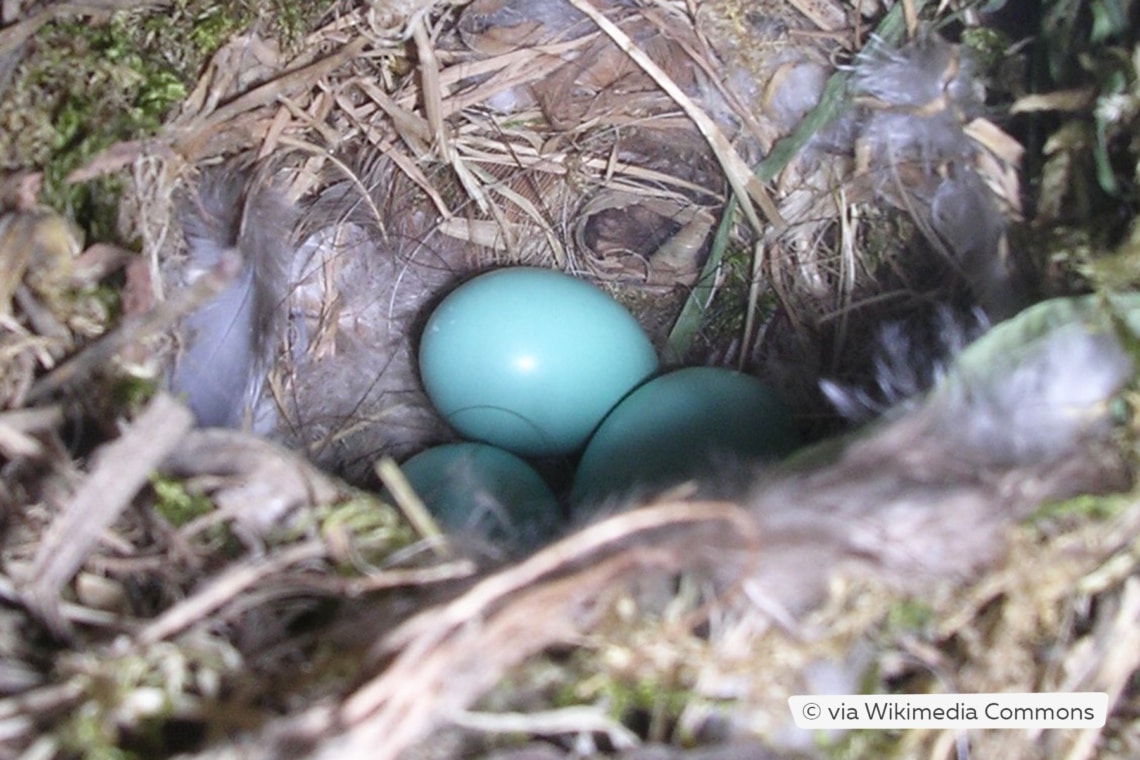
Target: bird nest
746, 179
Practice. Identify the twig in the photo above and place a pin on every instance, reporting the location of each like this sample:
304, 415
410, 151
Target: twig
119, 470
219, 591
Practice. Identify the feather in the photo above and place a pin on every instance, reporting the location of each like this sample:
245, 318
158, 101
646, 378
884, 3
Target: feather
232, 224
917, 98
924, 496
908, 360
370, 267
1033, 386
915, 102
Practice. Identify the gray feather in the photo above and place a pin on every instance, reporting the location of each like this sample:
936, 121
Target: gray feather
1030, 388
925, 496
232, 222
361, 287
215, 372
924, 92
906, 363
916, 100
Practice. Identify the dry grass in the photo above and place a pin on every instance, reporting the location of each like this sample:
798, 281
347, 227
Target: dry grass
240, 603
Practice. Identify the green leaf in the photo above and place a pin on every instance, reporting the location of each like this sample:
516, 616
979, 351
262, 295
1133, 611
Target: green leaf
1110, 19
692, 313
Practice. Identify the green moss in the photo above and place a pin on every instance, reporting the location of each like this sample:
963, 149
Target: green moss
87, 735
908, 616
88, 84
363, 516
659, 701
644, 695
1085, 507
1119, 270
177, 505
125, 702
376, 528
85, 88
212, 26
129, 392
988, 47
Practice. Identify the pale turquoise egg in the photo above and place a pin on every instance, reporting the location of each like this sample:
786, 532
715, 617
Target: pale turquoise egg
478, 490
531, 359
679, 426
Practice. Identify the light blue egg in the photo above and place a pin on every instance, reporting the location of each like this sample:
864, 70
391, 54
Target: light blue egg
531, 359
479, 490
676, 426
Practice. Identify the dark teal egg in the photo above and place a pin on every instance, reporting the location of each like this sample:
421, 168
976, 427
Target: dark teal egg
476, 489
531, 359
676, 426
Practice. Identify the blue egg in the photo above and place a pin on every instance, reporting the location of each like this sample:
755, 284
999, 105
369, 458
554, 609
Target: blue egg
676, 426
479, 490
531, 359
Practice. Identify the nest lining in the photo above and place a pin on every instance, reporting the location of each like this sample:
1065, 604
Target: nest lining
217, 654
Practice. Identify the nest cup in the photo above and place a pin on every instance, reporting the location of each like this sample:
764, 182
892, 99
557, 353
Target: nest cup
581, 161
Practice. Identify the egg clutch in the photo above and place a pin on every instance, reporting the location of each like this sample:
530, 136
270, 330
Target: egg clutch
530, 362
